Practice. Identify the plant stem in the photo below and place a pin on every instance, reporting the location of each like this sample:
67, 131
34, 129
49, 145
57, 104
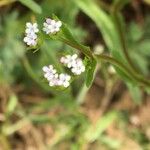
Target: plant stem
116, 13
81, 96
123, 40
79, 47
123, 67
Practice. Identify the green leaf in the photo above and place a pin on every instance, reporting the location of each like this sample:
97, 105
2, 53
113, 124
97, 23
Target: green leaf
135, 32
143, 47
91, 68
103, 21
32, 5
136, 93
107, 27
141, 62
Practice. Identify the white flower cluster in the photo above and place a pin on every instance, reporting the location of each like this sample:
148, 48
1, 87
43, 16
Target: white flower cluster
31, 36
74, 63
51, 26
54, 78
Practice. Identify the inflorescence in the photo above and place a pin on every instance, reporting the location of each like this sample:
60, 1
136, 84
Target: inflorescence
54, 78
51, 26
31, 34
72, 62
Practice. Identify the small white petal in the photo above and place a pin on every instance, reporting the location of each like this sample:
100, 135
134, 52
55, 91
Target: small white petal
48, 20
74, 56
25, 39
45, 69
28, 25
66, 84
59, 24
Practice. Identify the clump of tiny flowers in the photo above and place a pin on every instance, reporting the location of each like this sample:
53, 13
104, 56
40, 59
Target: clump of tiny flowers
51, 26
31, 34
54, 78
74, 63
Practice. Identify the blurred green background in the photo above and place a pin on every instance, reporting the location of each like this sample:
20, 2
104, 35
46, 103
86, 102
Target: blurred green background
111, 115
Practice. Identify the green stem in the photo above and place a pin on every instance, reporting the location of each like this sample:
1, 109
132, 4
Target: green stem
123, 40
75, 45
81, 96
123, 67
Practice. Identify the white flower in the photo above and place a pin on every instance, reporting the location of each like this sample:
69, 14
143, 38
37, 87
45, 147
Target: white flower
64, 80
78, 67
49, 72
51, 26
54, 78
31, 28
54, 81
31, 37
69, 60
74, 63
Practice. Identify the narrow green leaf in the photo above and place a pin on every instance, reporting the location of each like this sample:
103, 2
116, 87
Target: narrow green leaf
91, 68
32, 5
103, 21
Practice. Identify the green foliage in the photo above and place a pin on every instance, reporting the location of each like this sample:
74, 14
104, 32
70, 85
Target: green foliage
22, 66
91, 70
112, 27
107, 27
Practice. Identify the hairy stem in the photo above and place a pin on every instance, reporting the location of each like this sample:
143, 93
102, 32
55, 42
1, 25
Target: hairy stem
77, 46
123, 67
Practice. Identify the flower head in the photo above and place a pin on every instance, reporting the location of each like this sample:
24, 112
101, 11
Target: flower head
54, 78
31, 37
51, 26
64, 80
78, 67
49, 72
74, 63
69, 60
31, 28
